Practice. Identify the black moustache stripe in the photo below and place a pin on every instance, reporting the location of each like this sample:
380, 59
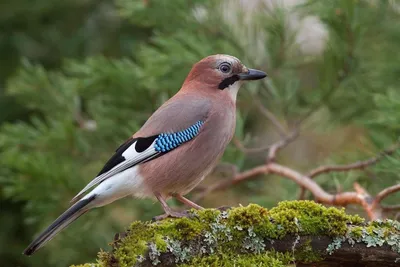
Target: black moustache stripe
228, 81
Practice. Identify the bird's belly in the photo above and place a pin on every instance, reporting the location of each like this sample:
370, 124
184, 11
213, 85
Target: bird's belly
177, 175
180, 170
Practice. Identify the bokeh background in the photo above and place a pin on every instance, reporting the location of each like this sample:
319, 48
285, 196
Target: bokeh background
77, 77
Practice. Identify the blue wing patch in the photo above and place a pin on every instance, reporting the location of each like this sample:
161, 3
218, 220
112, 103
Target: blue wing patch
165, 142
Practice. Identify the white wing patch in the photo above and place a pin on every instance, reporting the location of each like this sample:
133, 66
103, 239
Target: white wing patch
132, 158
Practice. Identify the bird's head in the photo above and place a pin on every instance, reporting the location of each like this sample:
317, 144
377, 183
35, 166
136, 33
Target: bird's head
220, 73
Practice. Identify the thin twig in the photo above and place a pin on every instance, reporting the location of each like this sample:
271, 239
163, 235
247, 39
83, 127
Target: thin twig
390, 208
246, 150
359, 165
281, 144
269, 115
385, 193
273, 148
236, 179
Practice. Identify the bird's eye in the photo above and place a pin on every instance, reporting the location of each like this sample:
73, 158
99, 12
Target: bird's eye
225, 67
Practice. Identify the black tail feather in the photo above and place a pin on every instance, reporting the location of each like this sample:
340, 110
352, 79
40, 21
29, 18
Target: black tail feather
70, 215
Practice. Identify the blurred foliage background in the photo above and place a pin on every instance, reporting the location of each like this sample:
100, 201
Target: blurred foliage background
78, 77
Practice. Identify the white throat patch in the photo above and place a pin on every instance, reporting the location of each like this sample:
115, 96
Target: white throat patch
233, 89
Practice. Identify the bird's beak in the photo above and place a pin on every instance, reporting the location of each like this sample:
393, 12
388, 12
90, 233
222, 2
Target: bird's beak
252, 74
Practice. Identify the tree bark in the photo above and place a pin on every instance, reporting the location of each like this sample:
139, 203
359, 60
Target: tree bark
358, 255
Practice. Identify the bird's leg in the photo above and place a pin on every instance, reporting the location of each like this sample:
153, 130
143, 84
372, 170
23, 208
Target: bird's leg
187, 202
168, 211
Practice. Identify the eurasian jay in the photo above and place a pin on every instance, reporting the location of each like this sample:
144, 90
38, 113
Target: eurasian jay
174, 150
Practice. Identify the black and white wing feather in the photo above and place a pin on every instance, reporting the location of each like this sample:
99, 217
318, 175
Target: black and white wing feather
129, 154
139, 150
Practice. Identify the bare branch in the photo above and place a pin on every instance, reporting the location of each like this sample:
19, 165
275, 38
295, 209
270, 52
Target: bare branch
268, 114
273, 148
359, 165
281, 144
236, 179
246, 150
359, 197
385, 193
390, 208
319, 193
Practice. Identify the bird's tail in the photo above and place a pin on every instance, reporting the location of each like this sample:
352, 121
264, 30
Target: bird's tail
70, 215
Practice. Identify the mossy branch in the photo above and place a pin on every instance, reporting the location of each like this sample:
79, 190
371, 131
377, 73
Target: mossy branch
300, 232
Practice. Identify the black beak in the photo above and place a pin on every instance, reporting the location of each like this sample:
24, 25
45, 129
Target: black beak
252, 75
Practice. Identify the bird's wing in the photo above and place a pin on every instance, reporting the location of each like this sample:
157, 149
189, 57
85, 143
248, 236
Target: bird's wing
172, 125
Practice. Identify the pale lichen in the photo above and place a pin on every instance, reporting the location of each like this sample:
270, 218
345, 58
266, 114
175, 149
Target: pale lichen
252, 242
180, 252
374, 234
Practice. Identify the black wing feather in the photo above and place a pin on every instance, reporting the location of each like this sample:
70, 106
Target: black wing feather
117, 158
142, 143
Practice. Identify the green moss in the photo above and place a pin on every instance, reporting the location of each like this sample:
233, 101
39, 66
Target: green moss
356, 232
306, 254
238, 234
134, 244
106, 259
207, 215
271, 259
310, 218
242, 218
182, 228
251, 215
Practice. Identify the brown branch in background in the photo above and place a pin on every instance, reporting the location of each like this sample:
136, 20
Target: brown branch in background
390, 208
273, 148
281, 144
359, 165
359, 196
269, 115
385, 193
228, 183
246, 150
280, 128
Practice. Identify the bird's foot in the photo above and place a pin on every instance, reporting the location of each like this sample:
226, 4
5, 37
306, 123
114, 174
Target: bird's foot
172, 214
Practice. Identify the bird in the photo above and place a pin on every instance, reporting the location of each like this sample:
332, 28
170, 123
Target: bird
173, 151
